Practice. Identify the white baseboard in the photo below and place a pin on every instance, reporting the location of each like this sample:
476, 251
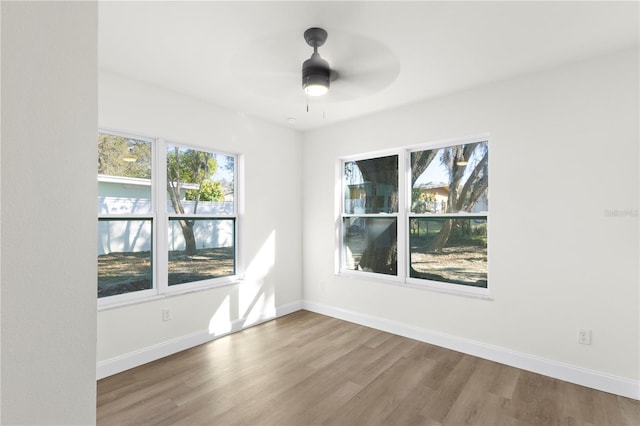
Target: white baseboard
570, 373
130, 360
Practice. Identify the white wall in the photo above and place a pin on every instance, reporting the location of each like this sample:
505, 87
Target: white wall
49, 113
0, 215
569, 136
270, 223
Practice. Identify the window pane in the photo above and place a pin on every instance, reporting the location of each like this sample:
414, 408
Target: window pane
449, 250
124, 256
124, 175
450, 179
371, 185
200, 249
370, 244
199, 182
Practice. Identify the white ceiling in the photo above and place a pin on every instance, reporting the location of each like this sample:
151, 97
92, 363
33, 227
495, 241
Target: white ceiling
247, 56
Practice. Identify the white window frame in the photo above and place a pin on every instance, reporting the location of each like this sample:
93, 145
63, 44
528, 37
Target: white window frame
163, 260
400, 219
160, 221
125, 298
404, 216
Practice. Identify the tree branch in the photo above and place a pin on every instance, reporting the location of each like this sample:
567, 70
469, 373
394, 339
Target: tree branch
470, 182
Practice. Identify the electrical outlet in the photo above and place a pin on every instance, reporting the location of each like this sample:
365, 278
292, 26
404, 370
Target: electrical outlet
584, 336
166, 314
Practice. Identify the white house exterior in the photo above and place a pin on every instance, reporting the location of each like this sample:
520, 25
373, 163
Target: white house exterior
131, 232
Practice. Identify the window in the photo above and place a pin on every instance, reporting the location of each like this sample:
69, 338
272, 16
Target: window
369, 222
201, 225
434, 233
126, 215
448, 214
145, 250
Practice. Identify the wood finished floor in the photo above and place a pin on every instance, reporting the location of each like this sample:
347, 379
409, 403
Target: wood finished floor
309, 369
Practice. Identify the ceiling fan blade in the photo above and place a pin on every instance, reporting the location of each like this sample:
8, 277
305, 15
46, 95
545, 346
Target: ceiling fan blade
363, 66
272, 65
354, 84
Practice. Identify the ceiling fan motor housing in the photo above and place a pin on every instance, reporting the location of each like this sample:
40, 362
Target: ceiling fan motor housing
315, 71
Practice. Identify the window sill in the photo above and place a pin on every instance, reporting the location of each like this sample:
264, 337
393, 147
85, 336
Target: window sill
433, 286
480, 293
167, 295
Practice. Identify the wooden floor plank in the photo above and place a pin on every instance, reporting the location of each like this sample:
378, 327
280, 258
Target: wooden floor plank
309, 369
630, 410
468, 406
382, 395
504, 383
439, 407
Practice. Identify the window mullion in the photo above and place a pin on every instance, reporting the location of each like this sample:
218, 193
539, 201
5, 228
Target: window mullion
402, 245
161, 224
239, 213
339, 215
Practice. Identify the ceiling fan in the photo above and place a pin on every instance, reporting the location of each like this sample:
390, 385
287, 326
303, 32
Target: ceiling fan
357, 66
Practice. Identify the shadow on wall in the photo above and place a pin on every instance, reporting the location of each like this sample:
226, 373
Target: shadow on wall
254, 301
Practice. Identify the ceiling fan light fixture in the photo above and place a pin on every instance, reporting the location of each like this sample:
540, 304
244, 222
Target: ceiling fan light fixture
316, 90
316, 76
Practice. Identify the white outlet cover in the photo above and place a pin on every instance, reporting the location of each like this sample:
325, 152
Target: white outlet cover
584, 336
